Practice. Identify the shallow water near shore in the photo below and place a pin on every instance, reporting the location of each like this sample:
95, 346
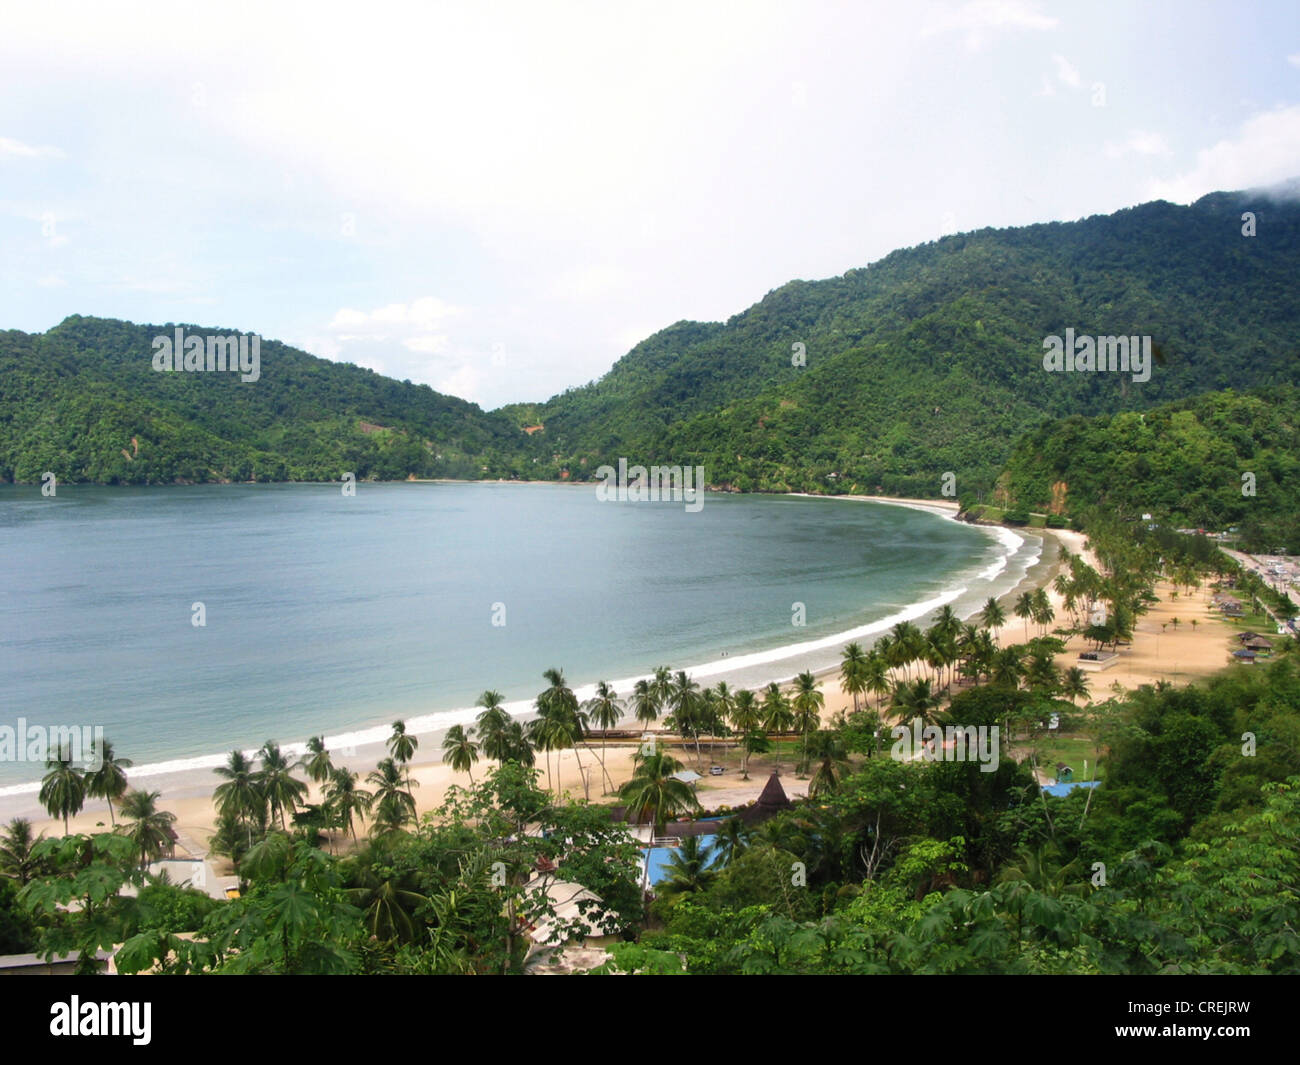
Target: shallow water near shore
334, 615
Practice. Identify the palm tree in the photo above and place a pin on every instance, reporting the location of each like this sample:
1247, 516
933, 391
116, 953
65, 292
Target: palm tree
916, 699
276, 781
63, 789
539, 735
746, 717
722, 700
947, 621
604, 711
492, 727
853, 672
108, 782
240, 798
388, 907
807, 705
1007, 667
394, 805
993, 617
1075, 684
654, 795
566, 724
684, 698
149, 828
346, 801
777, 715
828, 746
661, 686
401, 746
1042, 675
907, 646
16, 861
645, 704
1024, 608
518, 747
1043, 613
731, 841
459, 751
317, 761
688, 869
875, 677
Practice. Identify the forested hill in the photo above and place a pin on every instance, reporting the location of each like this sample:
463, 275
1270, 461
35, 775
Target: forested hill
84, 402
928, 361
931, 359
1215, 461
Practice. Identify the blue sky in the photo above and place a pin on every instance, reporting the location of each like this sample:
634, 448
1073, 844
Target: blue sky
499, 200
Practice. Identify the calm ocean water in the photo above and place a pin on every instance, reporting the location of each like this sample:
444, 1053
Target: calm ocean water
327, 614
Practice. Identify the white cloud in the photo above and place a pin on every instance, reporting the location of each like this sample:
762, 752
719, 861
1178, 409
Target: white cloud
10, 146
421, 314
466, 381
978, 19
426, 345
404, 341
51, 281
1067, 72
1137, 143
1267, 150
1294, 59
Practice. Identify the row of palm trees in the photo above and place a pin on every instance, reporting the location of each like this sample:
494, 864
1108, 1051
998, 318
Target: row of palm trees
64, 792
257, 792
562, 722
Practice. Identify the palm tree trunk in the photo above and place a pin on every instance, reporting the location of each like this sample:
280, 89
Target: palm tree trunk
609, 781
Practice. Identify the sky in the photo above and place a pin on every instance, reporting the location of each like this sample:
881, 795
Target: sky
500, 200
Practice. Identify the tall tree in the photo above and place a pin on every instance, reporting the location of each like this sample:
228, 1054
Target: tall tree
807, 706
401, 748
853, 680
346, 801
240, 796
492, 727
746, 718
605, 710
1024, 608
394, 804
317, 760
275, 779
993, 617
108, 782
460, 751
654, 794
777, 715
17, 862
63, 789
148, 828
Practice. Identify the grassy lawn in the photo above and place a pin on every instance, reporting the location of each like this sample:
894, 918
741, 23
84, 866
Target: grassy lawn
1260, 623
1070, 749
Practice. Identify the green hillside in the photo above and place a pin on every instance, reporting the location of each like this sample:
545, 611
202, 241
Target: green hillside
84, 401
928, 361
931, 359
1215, 461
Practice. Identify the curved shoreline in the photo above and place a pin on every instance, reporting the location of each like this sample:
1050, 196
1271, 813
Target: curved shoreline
364, 746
